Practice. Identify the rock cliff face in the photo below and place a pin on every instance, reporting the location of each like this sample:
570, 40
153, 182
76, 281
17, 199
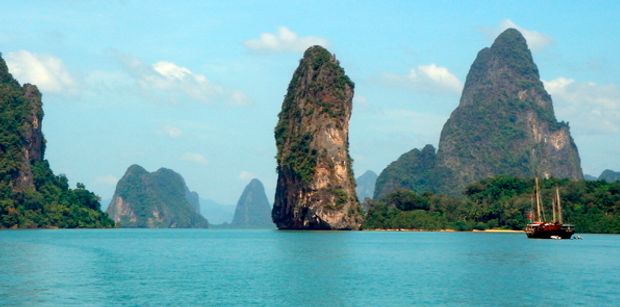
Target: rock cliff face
316, 188
23, 144
154, 200
505, 124
414, 170
253, 209
366, 185
31, 196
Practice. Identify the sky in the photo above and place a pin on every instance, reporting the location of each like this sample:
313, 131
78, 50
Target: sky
196, 86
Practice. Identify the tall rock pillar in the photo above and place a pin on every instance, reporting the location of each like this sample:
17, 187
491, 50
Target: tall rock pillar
316, 188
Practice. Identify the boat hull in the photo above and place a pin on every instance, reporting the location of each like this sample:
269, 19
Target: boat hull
548, 231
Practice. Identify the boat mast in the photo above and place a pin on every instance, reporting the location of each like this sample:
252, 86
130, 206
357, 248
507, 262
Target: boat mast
557, 195
537, 196
533, 217
553, 208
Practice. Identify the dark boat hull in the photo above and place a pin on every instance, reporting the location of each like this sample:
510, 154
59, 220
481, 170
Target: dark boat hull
547, 231
548, 234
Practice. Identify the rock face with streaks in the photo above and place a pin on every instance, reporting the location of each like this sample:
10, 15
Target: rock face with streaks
316, 188
503, 125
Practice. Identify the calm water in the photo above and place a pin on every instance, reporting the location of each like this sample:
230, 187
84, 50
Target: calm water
227, 267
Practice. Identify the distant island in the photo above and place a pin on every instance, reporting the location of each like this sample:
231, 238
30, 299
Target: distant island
253, 209
159, 199
365, 185
609, 176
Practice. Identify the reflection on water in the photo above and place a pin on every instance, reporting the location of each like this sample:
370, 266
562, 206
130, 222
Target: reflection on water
265, 267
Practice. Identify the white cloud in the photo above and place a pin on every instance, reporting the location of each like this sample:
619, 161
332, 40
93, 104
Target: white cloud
172, 131
558, 85
589, 107
245, 176
168, 76
194, 158
45, 71
435, 75
107, 180
167, 80
429, 78
284, 40
172, 71
535, 40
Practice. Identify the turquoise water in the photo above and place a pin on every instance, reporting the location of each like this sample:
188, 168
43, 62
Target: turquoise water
229, 267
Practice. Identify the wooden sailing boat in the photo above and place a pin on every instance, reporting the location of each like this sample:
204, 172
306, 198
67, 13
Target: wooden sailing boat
538, 228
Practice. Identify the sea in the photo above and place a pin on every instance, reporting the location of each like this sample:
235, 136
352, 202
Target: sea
184, 267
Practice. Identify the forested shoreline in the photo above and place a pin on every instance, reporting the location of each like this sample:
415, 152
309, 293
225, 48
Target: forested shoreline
498, 203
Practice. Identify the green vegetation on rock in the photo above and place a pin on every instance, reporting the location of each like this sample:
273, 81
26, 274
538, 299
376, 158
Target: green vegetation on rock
414, 170
31, 196
295, 153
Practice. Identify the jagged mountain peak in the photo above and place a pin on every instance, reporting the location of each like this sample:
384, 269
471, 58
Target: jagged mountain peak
505, 122
504, 125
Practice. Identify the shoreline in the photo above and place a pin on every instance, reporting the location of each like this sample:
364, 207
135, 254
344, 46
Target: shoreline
442, 230
499, 230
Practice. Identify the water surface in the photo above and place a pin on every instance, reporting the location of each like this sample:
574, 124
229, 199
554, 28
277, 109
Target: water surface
255, 267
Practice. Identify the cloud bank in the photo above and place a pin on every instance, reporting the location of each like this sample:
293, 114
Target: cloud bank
47, 72
590, 107
173, 82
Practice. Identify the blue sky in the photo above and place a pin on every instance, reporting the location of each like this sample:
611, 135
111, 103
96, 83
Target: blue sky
197, 86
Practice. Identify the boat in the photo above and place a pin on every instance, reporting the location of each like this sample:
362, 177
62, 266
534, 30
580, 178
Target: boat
538, 228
